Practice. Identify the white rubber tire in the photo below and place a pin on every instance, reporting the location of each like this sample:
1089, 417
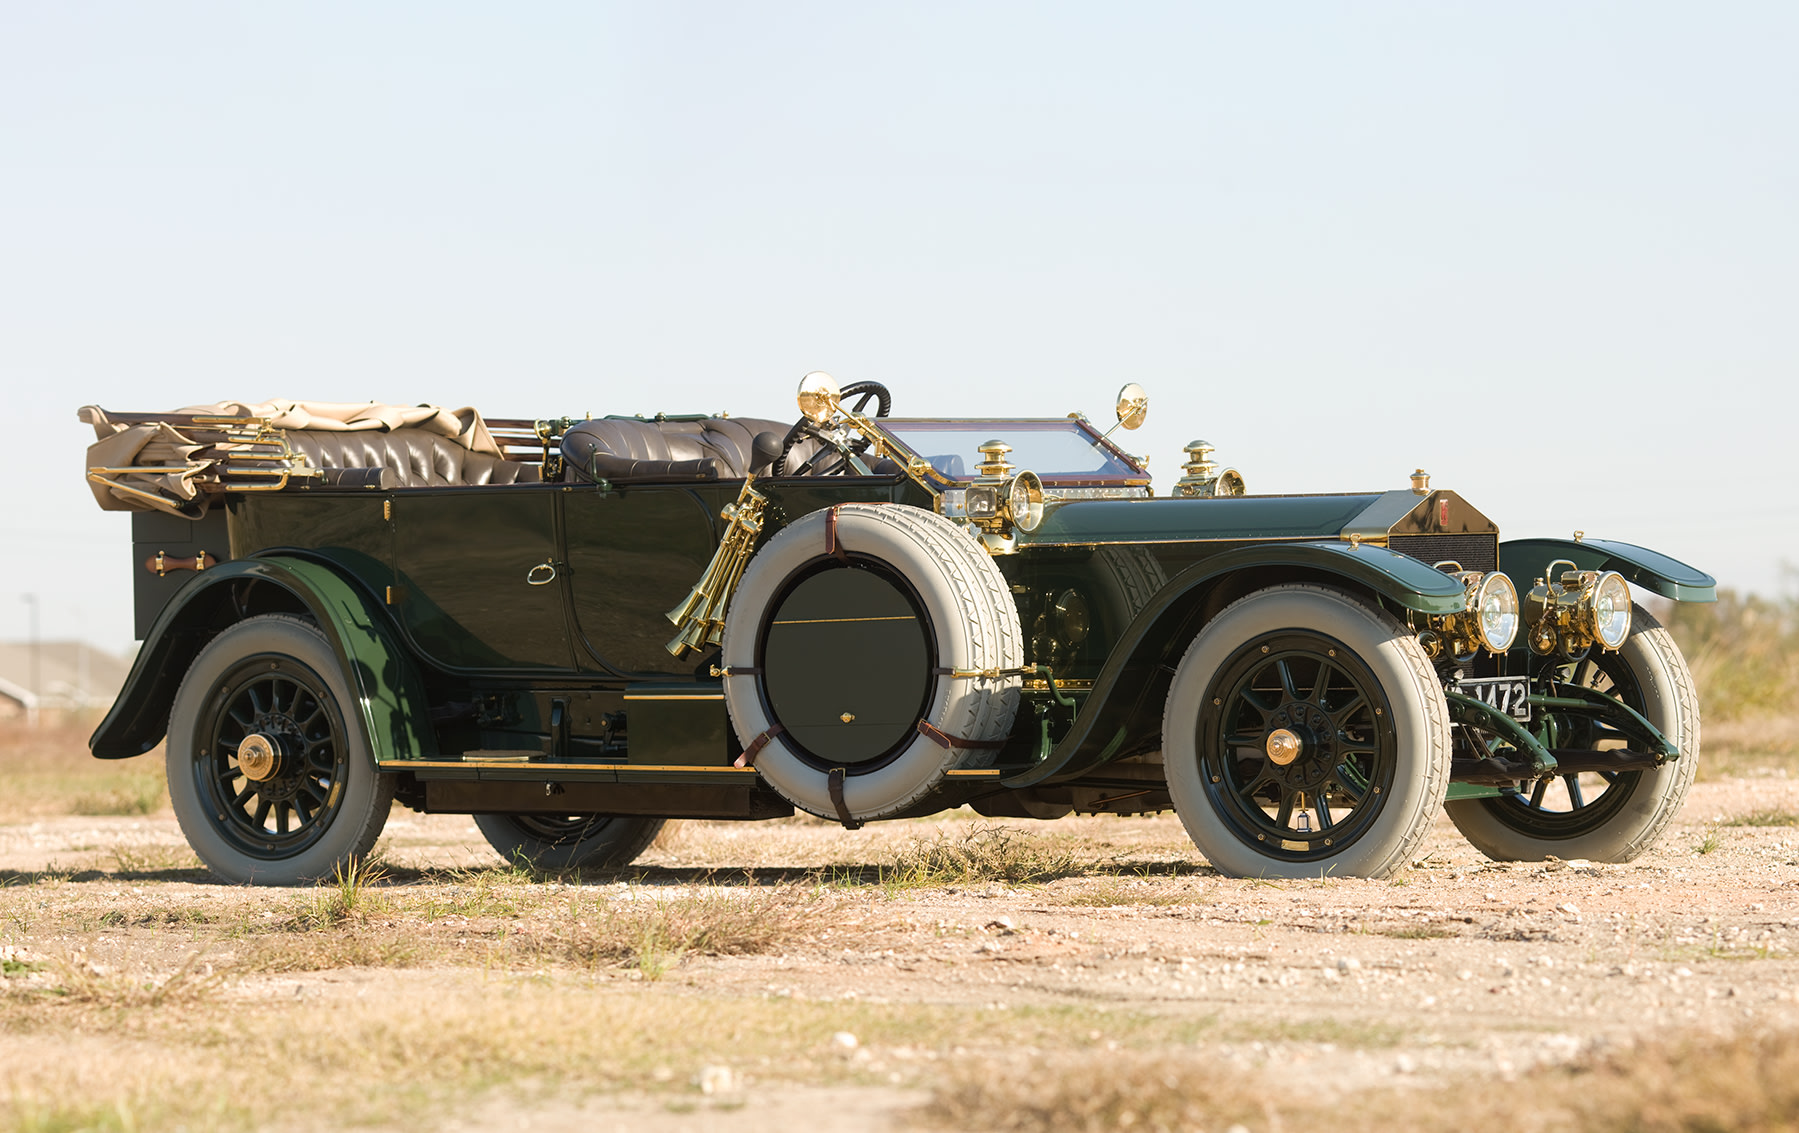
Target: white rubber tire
1671, 703
1420, 723
367, 795
972, 616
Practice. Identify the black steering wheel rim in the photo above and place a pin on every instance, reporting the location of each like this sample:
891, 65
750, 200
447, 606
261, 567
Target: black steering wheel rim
804, 427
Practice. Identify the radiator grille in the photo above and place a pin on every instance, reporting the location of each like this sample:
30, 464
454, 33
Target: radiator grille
1474, 552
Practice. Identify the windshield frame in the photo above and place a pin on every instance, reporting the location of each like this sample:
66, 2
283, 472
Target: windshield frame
918, 464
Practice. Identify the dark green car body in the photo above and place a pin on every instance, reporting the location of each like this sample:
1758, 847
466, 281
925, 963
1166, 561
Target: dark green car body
508, 646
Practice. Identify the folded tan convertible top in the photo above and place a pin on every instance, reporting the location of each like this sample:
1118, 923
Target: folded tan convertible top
166, 461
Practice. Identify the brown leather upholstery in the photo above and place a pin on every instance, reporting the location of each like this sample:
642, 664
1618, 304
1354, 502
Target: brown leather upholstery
716, 448
413, 458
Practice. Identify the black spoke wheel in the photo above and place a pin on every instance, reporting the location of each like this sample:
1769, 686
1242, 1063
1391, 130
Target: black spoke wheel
1610, 816
1304, 735
569, 841
274, 812
271, 781
1328, 719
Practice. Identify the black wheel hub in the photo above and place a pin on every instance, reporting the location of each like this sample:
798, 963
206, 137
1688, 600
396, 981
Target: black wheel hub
285, 703
1317, 746
1297, 686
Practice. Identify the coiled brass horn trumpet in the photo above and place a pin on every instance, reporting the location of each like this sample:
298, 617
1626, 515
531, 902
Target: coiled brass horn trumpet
701, 615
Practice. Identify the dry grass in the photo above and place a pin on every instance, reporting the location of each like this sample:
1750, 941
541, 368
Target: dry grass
49, 772
1749, 1084
979, 855
1744, 652
496, 921
1766, 816
1119, 892
653, 933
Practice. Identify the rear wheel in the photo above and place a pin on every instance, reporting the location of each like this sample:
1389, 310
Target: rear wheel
556, 841
269, 777
1304, 735
1609, 816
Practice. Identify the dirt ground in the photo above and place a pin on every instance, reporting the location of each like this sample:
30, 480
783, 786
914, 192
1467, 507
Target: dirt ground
857, 991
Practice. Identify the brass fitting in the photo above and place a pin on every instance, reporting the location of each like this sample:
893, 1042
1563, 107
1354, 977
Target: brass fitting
1571, 612
1203, 477
994, 467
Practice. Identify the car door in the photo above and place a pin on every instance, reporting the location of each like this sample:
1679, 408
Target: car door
633, 551
478, 576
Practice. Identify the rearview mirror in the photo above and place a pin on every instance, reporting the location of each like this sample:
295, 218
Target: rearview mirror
1133, 405
818, 396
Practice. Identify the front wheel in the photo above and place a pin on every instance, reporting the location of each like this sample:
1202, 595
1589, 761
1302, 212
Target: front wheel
555, 841
1305, 734
1604, 816
271, 781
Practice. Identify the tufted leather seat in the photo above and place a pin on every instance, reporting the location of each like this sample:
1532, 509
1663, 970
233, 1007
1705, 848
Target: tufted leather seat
409, 458
714, 448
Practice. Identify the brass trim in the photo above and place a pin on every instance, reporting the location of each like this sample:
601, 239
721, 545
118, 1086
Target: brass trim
823, 621
974, 773
413, 764
258, 758
676, 696
700, 618
1282, 746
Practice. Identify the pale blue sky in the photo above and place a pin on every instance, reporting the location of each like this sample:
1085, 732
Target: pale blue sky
1550, 252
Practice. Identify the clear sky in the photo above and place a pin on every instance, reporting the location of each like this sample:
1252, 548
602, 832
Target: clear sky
1548, 251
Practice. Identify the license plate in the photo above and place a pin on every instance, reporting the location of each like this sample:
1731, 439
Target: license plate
1509, 695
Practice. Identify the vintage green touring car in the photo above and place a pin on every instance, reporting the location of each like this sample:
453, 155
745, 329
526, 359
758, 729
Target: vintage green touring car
577, 629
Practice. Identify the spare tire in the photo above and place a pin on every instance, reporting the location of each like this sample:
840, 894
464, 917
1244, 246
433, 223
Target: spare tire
840, 647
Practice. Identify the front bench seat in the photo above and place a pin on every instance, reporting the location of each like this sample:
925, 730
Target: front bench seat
633, 448
409, 458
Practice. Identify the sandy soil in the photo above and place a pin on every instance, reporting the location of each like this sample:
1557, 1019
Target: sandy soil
1460, 966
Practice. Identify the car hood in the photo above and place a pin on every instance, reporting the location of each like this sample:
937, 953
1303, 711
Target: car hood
1363, 516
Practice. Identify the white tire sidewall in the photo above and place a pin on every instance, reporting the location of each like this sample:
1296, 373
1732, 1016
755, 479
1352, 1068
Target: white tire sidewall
1420, 728
1670, 702
363, 803
940, 563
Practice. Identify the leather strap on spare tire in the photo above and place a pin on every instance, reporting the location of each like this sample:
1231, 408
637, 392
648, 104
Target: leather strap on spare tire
848, 629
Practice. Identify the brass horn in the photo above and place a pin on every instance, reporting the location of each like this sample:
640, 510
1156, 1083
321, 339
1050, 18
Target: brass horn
700, 616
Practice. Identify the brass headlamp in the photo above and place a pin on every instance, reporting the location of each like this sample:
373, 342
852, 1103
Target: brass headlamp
1488, 618
999, 500
1570, 612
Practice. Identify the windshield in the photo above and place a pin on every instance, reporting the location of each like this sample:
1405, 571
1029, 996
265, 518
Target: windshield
1054, 448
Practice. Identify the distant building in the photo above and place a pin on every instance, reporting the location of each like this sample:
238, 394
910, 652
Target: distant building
69, 676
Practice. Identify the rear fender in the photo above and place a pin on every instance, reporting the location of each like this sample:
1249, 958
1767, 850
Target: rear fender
1527, 559
1124, 711
392, 709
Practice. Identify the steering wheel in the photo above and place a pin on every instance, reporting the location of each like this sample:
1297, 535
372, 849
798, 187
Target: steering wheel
864, 392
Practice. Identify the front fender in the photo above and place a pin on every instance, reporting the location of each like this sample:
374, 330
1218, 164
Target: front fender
1126, 699
392, 708
1527, 559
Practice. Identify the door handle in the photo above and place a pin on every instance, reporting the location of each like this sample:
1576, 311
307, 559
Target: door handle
533, 578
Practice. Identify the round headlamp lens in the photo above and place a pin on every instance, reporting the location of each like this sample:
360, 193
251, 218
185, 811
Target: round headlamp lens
1024, 499
1611, 610
1496, 607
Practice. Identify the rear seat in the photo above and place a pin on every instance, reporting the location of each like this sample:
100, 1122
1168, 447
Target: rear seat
712, 448
409, 458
